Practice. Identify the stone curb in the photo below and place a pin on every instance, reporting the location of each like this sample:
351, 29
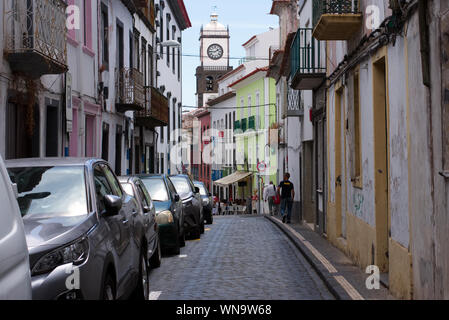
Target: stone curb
332, 285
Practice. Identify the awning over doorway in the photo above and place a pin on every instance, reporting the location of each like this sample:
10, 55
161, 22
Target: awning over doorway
232, 178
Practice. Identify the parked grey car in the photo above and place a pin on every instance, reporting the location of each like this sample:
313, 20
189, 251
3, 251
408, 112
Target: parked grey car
192, 205
15, 276
79, 225
207, 201
169, 211
145, 219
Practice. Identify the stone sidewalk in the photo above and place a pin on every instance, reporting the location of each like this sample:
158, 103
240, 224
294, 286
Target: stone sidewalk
344, 279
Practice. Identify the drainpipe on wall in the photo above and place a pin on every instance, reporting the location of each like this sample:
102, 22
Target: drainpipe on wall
424, 40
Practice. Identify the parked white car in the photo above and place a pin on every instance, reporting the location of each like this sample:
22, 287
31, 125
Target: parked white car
15, 274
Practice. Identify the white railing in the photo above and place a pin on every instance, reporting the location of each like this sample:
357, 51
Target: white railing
36, 26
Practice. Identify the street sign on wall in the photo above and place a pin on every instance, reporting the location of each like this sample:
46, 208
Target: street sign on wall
68, 103
261, 166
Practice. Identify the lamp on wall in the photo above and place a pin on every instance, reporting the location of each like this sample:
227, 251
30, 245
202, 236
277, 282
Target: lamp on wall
171, 44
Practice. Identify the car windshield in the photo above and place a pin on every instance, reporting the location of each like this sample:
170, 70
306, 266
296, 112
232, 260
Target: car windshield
46, 192
156, 188
203, 190
183, 188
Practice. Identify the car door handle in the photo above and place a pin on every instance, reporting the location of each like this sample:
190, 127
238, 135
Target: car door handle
134, 212
125, 221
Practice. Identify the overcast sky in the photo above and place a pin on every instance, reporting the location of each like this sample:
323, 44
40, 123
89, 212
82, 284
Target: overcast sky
245, 19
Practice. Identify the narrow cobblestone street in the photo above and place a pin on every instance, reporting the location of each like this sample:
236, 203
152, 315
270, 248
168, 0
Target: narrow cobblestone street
238, 257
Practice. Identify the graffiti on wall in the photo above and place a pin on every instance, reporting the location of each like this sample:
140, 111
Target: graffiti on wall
357, 200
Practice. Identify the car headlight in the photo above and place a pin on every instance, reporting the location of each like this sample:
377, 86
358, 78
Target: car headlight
164, 217
75, 253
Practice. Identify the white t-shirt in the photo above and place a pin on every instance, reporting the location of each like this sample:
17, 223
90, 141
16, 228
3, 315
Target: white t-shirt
269, 191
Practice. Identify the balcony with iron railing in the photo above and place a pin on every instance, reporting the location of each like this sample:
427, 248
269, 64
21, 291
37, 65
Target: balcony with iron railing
295, 104
130, 93
35, 36
307, 66
336, 19
247, 59
156, 110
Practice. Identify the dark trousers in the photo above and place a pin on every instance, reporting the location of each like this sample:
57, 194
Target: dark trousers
287, 203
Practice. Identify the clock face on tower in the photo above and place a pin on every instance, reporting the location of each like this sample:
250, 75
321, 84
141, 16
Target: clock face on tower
215, 51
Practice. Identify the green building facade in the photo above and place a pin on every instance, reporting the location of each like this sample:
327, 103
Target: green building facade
256, 114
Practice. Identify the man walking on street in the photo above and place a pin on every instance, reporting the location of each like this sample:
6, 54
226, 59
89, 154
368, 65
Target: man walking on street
287, 196
268, 194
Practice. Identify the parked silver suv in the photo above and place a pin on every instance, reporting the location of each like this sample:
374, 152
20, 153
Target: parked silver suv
79, 225
15, 280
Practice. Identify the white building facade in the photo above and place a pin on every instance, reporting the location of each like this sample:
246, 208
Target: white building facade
172, 19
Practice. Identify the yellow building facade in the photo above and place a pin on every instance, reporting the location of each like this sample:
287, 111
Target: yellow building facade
384, 143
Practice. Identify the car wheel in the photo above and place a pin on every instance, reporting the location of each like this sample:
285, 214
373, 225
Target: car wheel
109, 288
202, 227
142, 291
196, 233
155, 261
182, 239
176, 248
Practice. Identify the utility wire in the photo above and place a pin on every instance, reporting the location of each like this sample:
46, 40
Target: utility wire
232, 107
247, 59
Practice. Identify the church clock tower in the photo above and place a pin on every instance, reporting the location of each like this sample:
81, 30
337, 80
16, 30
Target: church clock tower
214, 56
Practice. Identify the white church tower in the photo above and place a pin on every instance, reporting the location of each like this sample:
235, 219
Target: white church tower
214, 53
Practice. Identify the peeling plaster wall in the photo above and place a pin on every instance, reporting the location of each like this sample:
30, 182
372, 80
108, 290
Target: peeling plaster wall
440, 124
398, 133
421, 203
331, 142
417, 138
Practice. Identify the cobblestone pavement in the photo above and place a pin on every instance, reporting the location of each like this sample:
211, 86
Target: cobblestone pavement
237, 258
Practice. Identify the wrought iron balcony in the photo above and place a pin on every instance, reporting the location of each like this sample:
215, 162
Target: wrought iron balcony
35, 37
307, 66
156, 111
130, 93
336, 19
295, 105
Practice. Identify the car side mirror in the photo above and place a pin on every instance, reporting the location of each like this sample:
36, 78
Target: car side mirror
113, 205
177, 197
197, 190
146, 209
